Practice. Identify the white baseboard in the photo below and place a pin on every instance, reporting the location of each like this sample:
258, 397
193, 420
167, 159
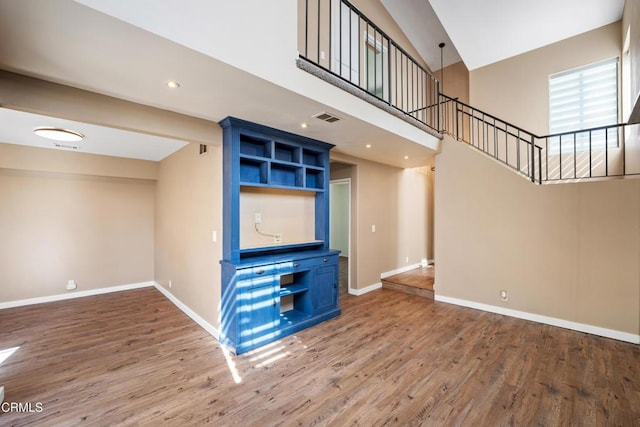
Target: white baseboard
363, 291
580, 327
400, 270
186, 310
71, 295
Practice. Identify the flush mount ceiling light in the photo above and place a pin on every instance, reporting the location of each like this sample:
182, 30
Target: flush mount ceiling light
173, 84
58, 134
368, 145
304, 125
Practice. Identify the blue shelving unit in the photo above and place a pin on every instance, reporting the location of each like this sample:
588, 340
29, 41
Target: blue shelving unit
273, 291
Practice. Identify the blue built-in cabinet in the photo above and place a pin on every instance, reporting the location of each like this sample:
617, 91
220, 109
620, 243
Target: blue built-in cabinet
273, 291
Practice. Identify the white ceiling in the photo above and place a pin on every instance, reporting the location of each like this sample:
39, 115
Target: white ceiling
18, 128
422, 26
489, 31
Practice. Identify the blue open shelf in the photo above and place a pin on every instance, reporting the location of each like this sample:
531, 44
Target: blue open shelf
293, 289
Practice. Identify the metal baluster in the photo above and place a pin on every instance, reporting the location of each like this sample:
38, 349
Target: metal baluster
388, 71
606, 152
330, 35
506, 143
560, 156
306, 28
318, 40
539, 165
624, 147
590, 167
350, 45
575, 160
546, 154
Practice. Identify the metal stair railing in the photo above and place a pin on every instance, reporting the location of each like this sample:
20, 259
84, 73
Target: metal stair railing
599, 152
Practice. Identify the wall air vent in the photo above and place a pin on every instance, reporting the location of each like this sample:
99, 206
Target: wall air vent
330, 118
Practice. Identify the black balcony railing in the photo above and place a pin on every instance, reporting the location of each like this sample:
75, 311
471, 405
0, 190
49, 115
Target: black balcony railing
341, 40
582, 154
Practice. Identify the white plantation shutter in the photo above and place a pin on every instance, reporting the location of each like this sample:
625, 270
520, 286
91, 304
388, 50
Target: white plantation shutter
584, 98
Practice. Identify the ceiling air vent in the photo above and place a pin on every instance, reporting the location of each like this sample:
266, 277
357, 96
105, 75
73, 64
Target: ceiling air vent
327, 117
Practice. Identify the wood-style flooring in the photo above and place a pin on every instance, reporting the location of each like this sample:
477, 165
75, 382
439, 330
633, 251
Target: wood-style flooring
418, 281
132, 358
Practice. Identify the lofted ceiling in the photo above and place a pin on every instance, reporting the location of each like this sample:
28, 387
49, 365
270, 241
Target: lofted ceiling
422, 26
66, 42
483, 32
489, 31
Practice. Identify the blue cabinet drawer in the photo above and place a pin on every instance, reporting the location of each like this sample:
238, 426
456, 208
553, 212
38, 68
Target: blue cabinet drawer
256, 276
317, 261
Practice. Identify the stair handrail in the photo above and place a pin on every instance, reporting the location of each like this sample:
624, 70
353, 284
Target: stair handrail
448, 99
451, 125
531, 171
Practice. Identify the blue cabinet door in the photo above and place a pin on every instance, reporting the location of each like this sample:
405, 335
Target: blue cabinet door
259, 314
325, 288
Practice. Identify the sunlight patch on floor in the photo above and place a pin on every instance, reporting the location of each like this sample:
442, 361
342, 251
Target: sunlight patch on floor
231, 365
5, 354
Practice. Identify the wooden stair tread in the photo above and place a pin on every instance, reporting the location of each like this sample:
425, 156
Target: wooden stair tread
415, 282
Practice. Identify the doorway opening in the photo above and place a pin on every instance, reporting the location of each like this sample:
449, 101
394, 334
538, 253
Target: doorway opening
340, 228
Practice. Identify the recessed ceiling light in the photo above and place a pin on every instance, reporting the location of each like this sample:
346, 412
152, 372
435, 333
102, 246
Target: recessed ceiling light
304, 125
58, 134
173, 84
368, 145
406, 157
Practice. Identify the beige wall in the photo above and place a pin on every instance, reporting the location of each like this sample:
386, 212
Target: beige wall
288, 213
517, 89
568, 251
75, 217
396, 202
456, 81
631, 23
27, 158
188, 209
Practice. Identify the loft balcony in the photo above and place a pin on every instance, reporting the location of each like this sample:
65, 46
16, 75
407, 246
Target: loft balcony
340, 45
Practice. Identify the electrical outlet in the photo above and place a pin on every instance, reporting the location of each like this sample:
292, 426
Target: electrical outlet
169, 283
373, 228
277, 238
406, 260
214, 236
257, 218
71, 285
503, 295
